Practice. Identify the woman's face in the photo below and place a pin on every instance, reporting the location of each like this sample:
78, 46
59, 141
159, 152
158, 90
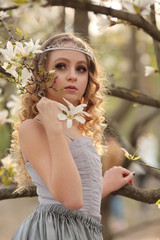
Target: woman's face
71, 75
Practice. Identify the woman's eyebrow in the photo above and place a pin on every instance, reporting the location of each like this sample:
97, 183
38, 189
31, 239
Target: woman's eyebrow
61, 59
82, 62
68, 60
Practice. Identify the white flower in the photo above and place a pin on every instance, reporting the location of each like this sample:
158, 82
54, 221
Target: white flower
28, 49
138, 6
72, 113
3, 15
4, 117
6, 161
9, 53
14, 104
149, 70
20, 49
25, 76
11, 70
34, 48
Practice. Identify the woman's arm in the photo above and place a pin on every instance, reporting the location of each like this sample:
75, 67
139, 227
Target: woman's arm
115, 178
48, 151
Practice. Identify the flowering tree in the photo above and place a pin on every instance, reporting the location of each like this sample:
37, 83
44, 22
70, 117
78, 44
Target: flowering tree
15, 67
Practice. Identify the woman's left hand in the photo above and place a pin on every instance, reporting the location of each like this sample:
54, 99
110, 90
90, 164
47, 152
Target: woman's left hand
115, 178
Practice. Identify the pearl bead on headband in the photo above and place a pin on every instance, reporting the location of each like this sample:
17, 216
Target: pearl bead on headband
72, 47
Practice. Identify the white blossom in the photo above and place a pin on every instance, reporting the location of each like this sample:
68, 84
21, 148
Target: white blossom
138, 6
3, 15
4, 117
14, 104
6, 161
9, 53
30, 47
72, 113
25, 76
34, 48
148, 70
11, 70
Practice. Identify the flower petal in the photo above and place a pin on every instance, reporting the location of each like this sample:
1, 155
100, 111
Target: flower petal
62, 116
69, 123
69, 104
78, 109
62, 107
80, 119
86, 113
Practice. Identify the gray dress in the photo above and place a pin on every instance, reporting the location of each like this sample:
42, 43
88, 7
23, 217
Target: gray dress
51, 220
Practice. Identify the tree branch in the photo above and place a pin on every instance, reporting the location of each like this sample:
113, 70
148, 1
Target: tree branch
131, 149
9, 8
4, 72
134, 19
144, 195
155, 43
134, 96
8, 192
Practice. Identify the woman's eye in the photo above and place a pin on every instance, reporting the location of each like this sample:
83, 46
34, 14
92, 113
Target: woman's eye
81, 69
60, 66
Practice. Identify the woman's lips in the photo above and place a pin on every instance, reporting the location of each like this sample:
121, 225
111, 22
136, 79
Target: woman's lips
71, 88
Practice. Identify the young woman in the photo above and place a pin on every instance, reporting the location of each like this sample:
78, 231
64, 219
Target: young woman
63, 162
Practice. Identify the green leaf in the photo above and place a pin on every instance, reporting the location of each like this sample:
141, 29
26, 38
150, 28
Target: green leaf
136, 158
26, 35
9, 66
19, 32
20, 2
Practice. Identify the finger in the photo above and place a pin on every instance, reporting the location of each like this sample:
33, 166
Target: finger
128, 178
125, 171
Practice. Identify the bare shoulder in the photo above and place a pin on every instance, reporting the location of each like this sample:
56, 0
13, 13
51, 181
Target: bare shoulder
30, 126
32, 138
34, 145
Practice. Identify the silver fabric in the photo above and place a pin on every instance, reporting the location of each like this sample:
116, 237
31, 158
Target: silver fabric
45, 222
90, 168
55, 222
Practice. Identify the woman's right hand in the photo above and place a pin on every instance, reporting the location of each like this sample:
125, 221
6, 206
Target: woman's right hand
48, 112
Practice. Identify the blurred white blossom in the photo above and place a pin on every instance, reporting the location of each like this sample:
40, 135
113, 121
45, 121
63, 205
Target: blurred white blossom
9, 53
6, 161
4, 117
18, 60
138, 6
30, 48
25, 76
72, 113
33, 47
3, 82
10, 69
149, 70
14, 105
3, 15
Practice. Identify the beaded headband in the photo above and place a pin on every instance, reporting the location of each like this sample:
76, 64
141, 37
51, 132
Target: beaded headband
73, 47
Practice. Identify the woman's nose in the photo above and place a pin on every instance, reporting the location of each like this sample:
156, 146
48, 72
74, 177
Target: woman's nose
72, 76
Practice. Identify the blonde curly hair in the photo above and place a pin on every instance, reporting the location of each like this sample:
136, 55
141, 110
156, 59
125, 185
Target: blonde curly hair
93, 97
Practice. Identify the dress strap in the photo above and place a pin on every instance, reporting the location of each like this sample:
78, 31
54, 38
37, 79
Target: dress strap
72, 139
25, 159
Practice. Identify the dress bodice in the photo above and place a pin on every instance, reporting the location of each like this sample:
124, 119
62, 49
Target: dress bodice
89, 166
